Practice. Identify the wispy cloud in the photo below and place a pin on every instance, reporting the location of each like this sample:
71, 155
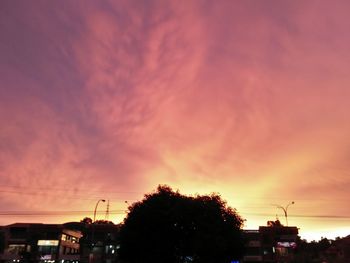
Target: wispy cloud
229, 97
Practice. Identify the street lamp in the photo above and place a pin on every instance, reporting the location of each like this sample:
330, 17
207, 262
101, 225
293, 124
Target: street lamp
285, 210
101, 200
91, 256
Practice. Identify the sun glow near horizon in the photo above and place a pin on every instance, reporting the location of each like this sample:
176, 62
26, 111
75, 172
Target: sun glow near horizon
107, 100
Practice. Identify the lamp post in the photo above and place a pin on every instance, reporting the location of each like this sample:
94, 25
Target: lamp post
285, 210
91, 256
101, 200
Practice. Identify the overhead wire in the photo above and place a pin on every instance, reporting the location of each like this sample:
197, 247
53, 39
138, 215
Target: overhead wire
67, 196
76, 194
73, 189
72, 194
122, 211
78, 191
55, 213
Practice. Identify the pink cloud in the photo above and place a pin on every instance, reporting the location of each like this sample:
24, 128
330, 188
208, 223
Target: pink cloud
228, 97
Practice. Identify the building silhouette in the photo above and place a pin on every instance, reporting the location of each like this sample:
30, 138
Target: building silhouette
83, 242
26, 242
271, 243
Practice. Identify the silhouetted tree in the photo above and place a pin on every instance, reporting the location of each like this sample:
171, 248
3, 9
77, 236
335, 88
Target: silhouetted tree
86, 220
2, 242
276, 223
315, 251
103, 222
324, 244
169, 227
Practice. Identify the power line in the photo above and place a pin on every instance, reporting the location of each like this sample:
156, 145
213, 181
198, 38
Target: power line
301, 216
72, 189
103, 191
71, 196
54, 213
121, 211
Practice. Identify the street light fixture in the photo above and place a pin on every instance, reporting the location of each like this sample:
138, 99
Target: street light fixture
101, 200
285, 210
91, 256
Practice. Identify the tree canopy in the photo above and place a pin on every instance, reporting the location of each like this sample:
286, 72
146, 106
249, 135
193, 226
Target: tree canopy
86, 220
169, 227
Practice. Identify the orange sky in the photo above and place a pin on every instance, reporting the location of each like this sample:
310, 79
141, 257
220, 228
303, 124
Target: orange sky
108, 99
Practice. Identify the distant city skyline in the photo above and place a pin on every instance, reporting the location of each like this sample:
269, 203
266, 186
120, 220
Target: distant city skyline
109, 99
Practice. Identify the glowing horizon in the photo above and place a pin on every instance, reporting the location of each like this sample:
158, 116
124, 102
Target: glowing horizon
109, 99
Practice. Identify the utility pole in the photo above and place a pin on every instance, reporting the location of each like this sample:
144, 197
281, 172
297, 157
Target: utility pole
107, 212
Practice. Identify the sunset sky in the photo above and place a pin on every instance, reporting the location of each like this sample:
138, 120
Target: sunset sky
109, 99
